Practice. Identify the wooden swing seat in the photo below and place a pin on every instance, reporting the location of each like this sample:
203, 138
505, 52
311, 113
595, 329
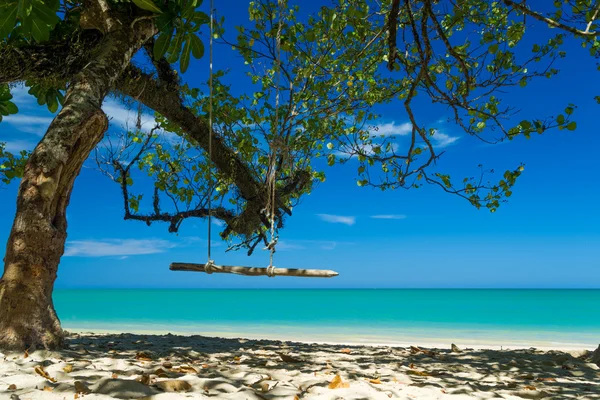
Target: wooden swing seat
253, 271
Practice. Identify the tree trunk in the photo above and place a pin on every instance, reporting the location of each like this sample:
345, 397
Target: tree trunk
39, 232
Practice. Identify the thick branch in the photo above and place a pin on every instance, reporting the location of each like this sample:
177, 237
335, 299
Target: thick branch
524, 9
168, 102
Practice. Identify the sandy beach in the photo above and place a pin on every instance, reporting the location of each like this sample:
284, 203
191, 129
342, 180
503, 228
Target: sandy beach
127, 366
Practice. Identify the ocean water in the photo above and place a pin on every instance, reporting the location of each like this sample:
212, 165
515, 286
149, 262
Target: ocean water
394, 316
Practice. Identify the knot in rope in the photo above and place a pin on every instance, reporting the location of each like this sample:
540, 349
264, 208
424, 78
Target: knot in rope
209, 267
271, 271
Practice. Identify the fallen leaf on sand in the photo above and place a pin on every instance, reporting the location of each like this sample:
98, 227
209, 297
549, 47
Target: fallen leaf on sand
375, 381
44, 374
290, 359
76, 396
26, 354
336, 383
174, 385
346, 351
529, 387
68, 368
114, 376
48, 388
145, 379
418, 373
546, 379
12, 387
143, 356
186, 369
296, 398
414, 349
80, 388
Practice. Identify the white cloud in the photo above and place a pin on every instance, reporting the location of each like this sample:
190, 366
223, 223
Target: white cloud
15, 146
29, 123
123, 117
338, 219
116, 247
285, 245
218, 222
389, 216
440, 139
392, 129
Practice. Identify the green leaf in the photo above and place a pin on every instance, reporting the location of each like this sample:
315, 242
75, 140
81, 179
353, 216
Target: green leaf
11, 107
560, 119
197, 46
147, 5
175, 48
39, 30
8, 19
572, 125
161, 45
45, 14
185, 55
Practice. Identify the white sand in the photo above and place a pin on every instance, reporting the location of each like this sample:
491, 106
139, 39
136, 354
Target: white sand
154, 366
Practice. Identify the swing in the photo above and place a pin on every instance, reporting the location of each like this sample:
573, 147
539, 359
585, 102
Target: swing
210, 267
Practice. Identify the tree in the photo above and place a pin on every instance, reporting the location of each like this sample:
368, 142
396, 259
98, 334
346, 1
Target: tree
317, 80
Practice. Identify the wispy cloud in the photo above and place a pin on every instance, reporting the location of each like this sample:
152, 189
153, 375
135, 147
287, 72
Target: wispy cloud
15, 146
218, 222
440, 139
28, 123
286, 245
122, 116
116, 247
389, 216
338, 219
392, 129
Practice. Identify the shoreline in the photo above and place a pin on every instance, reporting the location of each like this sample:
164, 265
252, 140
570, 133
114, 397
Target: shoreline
354, 340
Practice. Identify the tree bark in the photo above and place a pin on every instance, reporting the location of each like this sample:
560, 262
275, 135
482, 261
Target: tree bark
37, 239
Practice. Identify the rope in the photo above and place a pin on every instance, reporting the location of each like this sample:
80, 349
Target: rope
209, 267
210, 132
275, 145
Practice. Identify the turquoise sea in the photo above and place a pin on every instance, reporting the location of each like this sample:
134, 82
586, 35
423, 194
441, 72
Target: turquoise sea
392, 316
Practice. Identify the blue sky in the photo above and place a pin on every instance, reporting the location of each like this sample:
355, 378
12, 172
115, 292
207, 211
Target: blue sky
548, 235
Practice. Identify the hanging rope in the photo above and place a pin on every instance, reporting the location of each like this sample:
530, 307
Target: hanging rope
272, 177
210, 134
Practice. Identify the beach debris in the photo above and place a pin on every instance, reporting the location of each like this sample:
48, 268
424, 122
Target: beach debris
375, 381
185, 369
267, 386
454, 348
12, 387
346, 351
114, 376
68, 368
40, 371
529, 387
417, 373
167, 364
26, 354
417, 350
337, 383
145, 379
81, 388
288, 358
143, 356
174, 385
596, 356
48, 388
540, 379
